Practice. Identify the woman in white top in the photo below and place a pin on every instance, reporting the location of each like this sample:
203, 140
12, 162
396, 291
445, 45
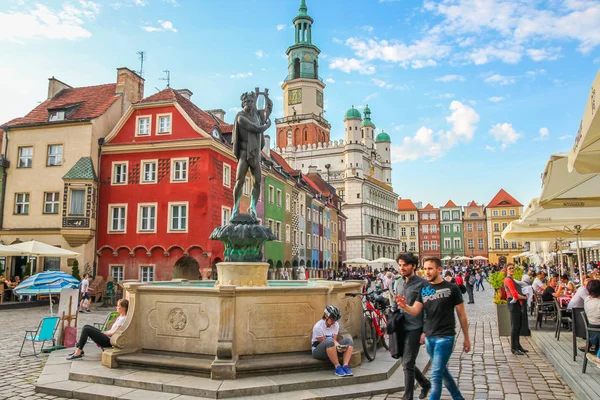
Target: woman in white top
102, 339
325, 344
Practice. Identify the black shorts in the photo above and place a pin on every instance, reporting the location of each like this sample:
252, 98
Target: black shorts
86, 296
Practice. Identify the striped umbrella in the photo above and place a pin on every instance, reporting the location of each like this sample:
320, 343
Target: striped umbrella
47, 282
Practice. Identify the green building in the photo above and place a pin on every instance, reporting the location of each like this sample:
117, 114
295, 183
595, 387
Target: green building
451, 231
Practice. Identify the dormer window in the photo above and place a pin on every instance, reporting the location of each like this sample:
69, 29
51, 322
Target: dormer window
143, 125
57, 115
215, 133
163, 124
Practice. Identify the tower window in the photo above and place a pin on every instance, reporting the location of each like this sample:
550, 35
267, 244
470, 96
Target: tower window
296, 68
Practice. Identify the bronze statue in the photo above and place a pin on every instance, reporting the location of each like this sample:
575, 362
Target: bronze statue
248, 140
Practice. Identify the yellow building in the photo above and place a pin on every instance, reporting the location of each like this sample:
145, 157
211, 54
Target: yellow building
499, 213
51, 178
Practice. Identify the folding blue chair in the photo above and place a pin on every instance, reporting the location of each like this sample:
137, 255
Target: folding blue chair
44, 332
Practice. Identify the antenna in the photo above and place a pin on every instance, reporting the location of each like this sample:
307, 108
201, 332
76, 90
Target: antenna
141, 55
168, 78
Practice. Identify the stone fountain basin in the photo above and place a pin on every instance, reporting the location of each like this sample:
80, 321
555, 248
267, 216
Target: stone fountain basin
230, 322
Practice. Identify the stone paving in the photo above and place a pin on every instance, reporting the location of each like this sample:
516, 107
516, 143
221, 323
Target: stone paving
490, 371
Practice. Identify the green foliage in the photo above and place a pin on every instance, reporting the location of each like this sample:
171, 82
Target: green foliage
27, 271
518, 273
497, 299
75, 270
497, 280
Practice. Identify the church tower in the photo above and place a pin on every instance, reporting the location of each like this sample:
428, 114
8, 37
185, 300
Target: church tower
303, 90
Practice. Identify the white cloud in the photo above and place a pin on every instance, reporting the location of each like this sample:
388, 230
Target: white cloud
425, 143
565, 137
502, 80
421, 53
369, 97
505, 134
490, 148
496, 99
368, 28
163, 26
550, 53
508, 53
281, 27
174, 3
234, 109
44, 22
382, 84
450, 78
241, 75
442, 96
140, 3
259, 53
544, 133
348, 65
330, 80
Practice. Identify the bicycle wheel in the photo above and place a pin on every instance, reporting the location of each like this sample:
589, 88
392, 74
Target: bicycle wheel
382, 321
369, 336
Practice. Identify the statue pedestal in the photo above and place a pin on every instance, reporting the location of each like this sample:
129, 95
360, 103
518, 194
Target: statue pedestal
242, 274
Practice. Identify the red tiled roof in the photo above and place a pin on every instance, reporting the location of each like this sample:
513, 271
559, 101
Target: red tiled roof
91, 101
406, 204
203, 119
472, 204
281, 161
429, 207
323, 186
450, 203
312, 184
503, 199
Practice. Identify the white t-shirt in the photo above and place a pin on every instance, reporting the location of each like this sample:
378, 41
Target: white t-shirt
85, 285
537, 285
322, 330
592, 310
119, 322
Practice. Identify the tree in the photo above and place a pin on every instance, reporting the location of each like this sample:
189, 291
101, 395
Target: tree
27, 271
75, 270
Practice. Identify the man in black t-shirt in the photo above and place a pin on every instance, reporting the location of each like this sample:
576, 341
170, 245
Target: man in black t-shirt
439, 299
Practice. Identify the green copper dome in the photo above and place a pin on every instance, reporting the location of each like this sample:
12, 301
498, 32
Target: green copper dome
368, 122
383, 137
353, 113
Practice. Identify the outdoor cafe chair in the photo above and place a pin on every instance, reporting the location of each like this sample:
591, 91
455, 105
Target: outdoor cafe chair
108, 322
563, 316
578, 328
587, 340
543, 310
44, 332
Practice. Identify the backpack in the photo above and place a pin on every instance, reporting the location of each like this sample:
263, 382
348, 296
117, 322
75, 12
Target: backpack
471, 280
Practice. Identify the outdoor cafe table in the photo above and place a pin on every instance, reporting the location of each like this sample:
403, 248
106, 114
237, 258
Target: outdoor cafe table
564, 300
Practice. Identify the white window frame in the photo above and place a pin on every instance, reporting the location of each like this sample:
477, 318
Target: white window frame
115, 164
403, 231
158, 118
137, 125
426, 245
287, 233
150, 268
425, 228
110, 218
53, 202
434, 245
48, 155
271, 194
481, 244
287, 202
469, 227
118, 267
226, 175
456, 228
81, 189
308, 241
470, 244
20, 157
497, 243
302, 238
143, 164
278, 197
495, 213
141, 216
512, 213
479, 227
225, 215
432, 216
433, 229
496, 227
186, 171
187, 217
24, 202
447, 244
425, 217
413, 231
446, 228
278, 229
504, 213
457, 240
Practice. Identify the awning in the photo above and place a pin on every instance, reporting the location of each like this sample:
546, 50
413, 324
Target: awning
564, 189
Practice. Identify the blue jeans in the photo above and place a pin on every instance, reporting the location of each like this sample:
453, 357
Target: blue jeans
440, 350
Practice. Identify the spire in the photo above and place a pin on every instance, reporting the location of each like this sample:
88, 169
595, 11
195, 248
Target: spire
303, 10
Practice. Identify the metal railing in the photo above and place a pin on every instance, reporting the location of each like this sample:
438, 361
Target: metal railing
303, 75
301, 117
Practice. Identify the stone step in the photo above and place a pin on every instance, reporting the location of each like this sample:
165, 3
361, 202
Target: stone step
162, 361
333, 391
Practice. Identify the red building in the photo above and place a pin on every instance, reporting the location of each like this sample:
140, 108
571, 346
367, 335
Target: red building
429, 231
164, 169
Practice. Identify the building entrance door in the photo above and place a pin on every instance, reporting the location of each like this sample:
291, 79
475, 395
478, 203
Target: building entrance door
186, 268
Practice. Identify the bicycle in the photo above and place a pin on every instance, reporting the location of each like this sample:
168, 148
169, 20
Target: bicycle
374, 323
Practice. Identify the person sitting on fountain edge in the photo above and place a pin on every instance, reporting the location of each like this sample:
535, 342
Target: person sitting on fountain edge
325, 344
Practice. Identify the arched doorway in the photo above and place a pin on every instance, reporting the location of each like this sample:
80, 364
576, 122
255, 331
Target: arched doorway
213, 269
186, 268
502, 260
302, 263
308, 264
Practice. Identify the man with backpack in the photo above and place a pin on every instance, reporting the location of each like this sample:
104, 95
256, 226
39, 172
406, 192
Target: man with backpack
470, 283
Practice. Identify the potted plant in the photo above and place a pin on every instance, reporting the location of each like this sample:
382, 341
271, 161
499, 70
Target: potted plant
496, 280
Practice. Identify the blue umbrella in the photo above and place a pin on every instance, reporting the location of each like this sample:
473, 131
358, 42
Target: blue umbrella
47, 282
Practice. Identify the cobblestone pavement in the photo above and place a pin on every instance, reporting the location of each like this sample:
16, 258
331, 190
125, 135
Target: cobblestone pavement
490, 371
18, 375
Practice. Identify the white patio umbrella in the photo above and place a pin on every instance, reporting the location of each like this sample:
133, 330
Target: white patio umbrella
6, 251
357, 260
447, 258
35, 248
561, 188
383, 260
585, 155
480, 258
463, 258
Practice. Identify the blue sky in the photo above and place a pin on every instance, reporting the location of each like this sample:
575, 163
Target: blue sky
476, 94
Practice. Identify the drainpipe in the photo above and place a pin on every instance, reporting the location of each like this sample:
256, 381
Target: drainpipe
4, 166
95, 264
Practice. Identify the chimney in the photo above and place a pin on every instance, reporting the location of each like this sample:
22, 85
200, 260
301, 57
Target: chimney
187, 93
267, 148
130, 85
55, 86
312, 169
218, 113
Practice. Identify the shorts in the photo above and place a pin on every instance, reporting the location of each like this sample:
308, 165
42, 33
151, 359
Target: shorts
320, 351
85, 296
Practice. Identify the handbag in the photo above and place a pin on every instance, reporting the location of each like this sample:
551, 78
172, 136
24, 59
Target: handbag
395, 330
463, 288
